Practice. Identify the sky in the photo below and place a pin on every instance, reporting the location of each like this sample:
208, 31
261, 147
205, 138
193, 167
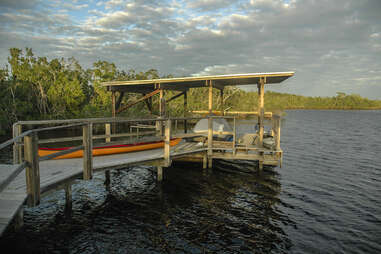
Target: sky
332, 45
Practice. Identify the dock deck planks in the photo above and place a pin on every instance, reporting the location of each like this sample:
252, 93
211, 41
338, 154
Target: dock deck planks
53, 172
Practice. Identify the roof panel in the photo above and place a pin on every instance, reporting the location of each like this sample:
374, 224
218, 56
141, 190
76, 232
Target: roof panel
192, 82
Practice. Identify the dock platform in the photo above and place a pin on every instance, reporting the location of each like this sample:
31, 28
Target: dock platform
32, 176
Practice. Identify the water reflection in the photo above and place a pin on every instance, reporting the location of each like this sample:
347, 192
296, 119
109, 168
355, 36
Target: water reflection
192, 211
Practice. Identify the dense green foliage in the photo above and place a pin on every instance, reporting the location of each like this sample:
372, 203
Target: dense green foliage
37, 88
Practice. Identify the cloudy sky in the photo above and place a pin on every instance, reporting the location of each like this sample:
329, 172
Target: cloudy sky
332, 45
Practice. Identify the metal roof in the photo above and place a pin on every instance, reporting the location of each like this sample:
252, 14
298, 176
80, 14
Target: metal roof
181, 84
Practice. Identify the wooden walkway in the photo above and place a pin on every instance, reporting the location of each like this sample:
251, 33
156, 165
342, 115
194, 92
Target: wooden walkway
55, 173
32, 175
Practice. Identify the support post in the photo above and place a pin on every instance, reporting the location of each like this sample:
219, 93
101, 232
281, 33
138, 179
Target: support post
222, 101
185, 111
159, 173
108, 132
210, 96
277, 131
113, 110
33, 169
210, 141
17, 148
167, 143
161, 111
68, 199
234, 136
261, 110
107, 179
87, 151
19, 219
260, 165
204, 161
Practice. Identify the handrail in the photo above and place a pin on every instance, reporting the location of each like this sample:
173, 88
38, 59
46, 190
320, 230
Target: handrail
15, 139
26, 133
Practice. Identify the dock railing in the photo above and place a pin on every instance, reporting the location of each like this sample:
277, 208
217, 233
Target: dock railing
26, 143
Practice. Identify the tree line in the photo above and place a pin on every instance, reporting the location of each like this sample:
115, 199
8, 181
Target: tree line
33, 87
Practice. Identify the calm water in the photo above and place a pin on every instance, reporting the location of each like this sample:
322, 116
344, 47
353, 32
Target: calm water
325, 199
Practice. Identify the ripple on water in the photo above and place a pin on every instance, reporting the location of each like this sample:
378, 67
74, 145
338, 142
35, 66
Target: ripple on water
325, 199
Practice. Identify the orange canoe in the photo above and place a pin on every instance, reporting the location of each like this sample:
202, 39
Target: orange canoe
105, 150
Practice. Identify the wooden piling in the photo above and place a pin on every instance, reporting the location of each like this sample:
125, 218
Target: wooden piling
261, 110
19, 219
159, 173
185, 111
167, 140
210, 141
108, 132
277, 131
68, 199
33, 169
87, 151
210, 106
17, 148
107, 180
204, 161
222, 101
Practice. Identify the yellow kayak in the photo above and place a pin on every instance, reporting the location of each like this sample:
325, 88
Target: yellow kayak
106, 150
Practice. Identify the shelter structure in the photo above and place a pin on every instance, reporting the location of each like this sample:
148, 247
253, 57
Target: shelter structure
149, 88
42, 175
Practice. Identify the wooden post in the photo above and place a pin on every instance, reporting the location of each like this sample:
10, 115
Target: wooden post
210, 141
222, 101
159, 173
277, 130
204, 161
167, 146
108, 132
185, 111
210, 125
68, 199
260, 165
17, 149
33, 169
107, 180
234, 135
261, 110
113, 110
161, 111
210, 96
87, 151
19, 219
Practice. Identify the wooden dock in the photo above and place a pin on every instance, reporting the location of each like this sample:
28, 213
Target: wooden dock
32, 175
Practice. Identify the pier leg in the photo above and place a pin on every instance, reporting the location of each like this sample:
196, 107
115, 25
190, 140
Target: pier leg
19, 219
32, 171
68, 200
260, 162
87, 151
17, 148
204, 161
260, 166
159, 173
107, 180
108, 132
210, 162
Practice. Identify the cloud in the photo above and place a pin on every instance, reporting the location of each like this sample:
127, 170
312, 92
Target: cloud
18, 4
209, 5
332, 45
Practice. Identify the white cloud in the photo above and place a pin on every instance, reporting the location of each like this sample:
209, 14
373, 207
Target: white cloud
325, 42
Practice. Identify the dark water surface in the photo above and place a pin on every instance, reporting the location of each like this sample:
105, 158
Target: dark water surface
325, 199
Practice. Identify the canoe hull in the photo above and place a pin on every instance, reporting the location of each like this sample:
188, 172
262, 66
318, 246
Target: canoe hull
108, 150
